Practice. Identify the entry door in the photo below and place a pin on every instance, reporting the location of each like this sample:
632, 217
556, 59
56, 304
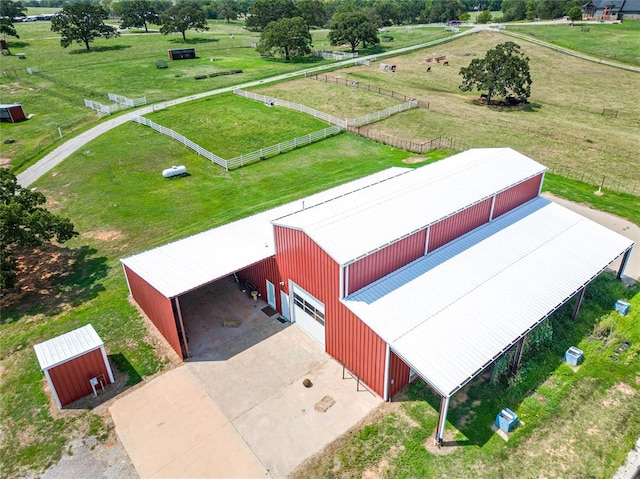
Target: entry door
308, 312
271, 294
284, 301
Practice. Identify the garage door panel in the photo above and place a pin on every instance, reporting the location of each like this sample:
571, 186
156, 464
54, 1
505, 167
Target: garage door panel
309, 313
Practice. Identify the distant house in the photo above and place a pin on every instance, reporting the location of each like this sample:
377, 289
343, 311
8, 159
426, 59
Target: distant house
611, 10
433, 272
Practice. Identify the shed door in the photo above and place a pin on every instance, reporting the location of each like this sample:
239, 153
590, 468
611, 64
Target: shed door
284, 301
308, 312
271, 294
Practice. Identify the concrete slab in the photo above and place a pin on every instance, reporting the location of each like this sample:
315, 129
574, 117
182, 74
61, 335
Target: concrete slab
615, 223
286, 429
166, 422
259, 372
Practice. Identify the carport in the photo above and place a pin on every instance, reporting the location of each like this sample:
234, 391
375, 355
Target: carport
451, 314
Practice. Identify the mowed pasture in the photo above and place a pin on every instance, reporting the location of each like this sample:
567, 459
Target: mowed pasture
126, 66
563, 126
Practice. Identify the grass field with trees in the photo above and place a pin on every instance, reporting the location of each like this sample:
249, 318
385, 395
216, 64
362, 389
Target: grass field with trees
116, 197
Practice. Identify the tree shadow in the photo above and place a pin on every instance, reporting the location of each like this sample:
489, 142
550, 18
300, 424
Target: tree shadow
17, 44
193, 41
106, 48
473, 409
51, 279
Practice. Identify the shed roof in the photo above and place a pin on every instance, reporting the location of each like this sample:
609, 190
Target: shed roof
12, 105
182, 266
349, 227
66, 347
452, 312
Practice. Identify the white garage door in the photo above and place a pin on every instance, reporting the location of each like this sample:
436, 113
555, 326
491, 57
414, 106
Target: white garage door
308, 312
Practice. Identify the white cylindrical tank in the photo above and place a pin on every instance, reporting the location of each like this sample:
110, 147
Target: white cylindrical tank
174, 171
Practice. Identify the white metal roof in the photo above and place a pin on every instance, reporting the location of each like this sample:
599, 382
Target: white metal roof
66, 347
451, 313
182, 266
350, 226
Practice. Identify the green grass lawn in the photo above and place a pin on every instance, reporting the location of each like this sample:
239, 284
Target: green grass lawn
608, 41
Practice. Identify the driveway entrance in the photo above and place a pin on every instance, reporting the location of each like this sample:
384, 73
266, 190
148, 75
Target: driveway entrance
238, 406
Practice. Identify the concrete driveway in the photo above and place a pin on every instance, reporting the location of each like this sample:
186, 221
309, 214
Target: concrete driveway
247, 416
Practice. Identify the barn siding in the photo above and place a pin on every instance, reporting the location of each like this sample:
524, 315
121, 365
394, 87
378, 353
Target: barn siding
347, 338
457, 225
71, 379
516, 195
399, 373
259, 273
157, 308
379, 264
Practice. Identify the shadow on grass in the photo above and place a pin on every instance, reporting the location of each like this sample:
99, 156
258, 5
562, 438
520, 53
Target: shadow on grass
123, 364
94, 49
474, 408
51, 279
12, 44
193, 41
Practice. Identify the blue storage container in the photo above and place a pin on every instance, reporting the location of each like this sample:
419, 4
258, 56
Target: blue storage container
573, 356
506, 420
622, 307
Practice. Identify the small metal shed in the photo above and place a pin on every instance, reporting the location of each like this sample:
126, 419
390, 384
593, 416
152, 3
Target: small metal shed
74, 363
12, 113
182, 53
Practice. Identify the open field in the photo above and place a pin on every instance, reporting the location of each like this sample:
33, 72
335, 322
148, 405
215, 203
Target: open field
608, 41
126, 66
113, 191
559, 127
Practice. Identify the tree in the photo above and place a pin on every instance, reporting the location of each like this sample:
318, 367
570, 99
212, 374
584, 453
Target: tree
353, 27
387, 11
264, 12
503, 71
313, 12
484, 17
182, 17
24, 223
441, 11
574, 14
83, 23
137, 13
8, 11
288, 36
228, 9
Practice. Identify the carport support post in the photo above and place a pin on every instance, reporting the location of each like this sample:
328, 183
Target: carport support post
576, 308
184, 334
442, 419
515, 363
623, 264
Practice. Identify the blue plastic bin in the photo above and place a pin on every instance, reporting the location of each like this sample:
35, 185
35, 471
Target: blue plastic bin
573, 356
622, 307
506, 420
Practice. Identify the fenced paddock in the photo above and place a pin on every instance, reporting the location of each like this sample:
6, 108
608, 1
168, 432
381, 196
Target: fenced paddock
120, 102
125, 102
414, 146
182, 139
101, 109
361, 86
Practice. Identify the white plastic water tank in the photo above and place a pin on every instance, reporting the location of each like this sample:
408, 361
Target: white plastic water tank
174, 171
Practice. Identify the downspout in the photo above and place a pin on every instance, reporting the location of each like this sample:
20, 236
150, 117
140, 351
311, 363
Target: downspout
386, 373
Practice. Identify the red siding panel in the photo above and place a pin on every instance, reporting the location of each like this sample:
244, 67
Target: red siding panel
516, 195
71, 379
259, 273
157, 308
373, 267
347, 338
398, 374
455, 226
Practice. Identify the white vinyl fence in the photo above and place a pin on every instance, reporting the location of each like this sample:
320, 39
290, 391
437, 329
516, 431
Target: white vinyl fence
330, 55
182, 139
382, 114
332, 120
123, 101
102, 110
264, 153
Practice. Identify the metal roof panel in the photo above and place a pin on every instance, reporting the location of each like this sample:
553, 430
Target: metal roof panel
66, 347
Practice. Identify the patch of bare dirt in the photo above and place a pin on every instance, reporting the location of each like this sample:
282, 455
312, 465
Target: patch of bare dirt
449, 445
104, 235
414, 159
5, 161
383, 466
324, 404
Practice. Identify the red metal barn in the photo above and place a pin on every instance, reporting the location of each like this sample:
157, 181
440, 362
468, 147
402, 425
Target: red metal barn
406, 272
12, 113
73, 361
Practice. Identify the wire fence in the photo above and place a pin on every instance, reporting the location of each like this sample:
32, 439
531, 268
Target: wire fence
359, 85
597, 180
382, 114
182, 139
414, 146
